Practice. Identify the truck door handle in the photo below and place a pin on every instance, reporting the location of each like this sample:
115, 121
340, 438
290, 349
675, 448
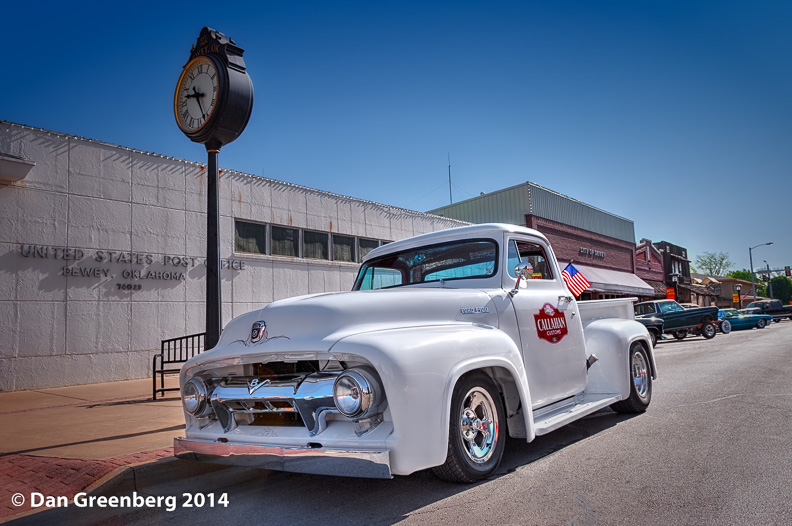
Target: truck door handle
564, 302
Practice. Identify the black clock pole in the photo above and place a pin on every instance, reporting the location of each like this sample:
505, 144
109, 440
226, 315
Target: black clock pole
212, 106
214, 308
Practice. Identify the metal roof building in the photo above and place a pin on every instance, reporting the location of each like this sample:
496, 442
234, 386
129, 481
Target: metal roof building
512, 204
601, 244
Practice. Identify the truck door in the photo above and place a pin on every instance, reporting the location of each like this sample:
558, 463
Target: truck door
550, 329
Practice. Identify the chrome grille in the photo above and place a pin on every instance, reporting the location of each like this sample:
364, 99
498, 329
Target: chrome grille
308, 395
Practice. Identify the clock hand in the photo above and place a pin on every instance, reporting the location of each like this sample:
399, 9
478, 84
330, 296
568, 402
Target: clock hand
198, 96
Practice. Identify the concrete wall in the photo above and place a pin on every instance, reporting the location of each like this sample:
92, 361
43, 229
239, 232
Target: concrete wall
101, 254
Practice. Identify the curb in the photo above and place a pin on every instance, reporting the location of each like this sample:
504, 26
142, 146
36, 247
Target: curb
165, 475
47, 463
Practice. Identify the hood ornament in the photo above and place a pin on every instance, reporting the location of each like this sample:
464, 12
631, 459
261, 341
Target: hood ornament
258, 335
258, 331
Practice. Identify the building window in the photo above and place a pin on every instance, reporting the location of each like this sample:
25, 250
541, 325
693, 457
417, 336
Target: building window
277, 240
285, 241
343, 248
366, 246
315, 245
250, 237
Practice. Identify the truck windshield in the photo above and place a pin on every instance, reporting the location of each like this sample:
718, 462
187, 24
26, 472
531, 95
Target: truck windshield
456, 260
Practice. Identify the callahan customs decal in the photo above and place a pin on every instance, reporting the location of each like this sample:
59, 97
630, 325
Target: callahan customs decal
550, 324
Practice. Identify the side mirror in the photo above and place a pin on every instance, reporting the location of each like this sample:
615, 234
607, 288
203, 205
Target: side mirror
523, 271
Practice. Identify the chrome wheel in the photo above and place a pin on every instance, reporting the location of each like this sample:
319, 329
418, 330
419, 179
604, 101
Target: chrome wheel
640, 382
478, 425
726, 327
475, 441
640, 374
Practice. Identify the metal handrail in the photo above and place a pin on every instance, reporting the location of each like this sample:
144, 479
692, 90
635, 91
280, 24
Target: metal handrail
174, 351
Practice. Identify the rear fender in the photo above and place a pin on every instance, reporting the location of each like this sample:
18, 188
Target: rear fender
610, 340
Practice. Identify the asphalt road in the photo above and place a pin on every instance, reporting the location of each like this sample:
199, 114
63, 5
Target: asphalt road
713, 448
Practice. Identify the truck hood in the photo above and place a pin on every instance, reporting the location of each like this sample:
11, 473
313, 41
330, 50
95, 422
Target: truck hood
314, 323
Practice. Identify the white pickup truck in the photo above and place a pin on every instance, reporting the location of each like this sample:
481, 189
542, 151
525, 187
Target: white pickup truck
448, 342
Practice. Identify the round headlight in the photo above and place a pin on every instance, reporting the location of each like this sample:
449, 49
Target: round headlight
348, 394
355, 393
194, 397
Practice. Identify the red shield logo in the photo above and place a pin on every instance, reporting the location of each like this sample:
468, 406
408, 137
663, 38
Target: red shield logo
550, 324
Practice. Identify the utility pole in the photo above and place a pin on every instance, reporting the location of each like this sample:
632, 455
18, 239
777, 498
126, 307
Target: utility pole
769, 279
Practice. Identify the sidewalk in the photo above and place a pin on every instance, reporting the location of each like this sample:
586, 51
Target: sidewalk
64, 440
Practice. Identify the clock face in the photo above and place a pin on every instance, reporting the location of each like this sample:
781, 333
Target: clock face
196, 94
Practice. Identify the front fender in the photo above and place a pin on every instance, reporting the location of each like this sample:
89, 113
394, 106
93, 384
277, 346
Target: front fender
419, 367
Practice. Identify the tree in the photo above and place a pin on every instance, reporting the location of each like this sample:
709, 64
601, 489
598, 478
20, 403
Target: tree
713, 264
743, 274
782, 288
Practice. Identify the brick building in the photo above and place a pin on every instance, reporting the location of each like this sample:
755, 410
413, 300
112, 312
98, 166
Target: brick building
601, 244
649, 266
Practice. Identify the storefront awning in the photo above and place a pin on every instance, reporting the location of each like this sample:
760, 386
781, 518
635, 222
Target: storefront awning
613, 281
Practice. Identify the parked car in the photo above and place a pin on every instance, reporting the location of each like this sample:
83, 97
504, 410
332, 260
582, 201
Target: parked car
680, 321
448, 343
653, 325
740, 320
774, 308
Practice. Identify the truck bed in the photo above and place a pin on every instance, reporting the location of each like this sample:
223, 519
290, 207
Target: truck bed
600, 309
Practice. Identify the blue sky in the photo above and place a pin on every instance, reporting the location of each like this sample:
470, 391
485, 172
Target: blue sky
675, 114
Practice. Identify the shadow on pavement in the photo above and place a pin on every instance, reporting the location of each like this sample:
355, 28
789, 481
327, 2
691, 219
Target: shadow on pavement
269, 497
95, 440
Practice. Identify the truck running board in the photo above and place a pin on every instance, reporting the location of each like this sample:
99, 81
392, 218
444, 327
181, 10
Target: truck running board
552, 417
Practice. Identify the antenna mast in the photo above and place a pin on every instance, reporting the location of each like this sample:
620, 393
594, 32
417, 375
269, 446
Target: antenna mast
450, 197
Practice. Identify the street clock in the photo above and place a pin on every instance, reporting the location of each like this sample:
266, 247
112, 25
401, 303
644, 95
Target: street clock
214, 94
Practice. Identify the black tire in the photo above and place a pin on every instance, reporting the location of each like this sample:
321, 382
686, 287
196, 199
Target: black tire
726, 327
761, 324
653, 338
776, 320
474, 450
681, 334
640, 383
708, 330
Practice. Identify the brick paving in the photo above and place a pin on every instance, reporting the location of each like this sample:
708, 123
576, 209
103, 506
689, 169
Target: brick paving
57, 476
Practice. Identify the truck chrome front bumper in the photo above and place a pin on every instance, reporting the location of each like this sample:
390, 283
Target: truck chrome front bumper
318, 461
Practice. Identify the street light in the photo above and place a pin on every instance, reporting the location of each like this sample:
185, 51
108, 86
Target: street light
750, 258
737, 287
